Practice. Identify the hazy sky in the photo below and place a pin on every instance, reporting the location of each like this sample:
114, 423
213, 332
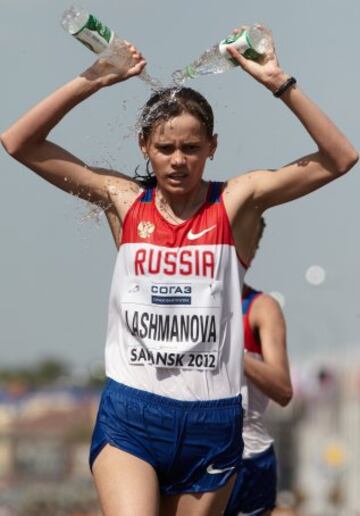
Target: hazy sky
57, 259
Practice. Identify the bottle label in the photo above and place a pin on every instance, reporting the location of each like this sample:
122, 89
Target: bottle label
95, 35
242, 43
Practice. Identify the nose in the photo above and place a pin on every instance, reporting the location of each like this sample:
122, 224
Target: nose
178, 158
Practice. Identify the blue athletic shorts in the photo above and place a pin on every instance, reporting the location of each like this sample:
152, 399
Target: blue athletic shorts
194, 446
254, 491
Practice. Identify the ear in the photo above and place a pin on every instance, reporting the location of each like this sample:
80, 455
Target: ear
142, 144
213, 144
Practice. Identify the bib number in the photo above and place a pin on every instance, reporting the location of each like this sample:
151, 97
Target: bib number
175, 325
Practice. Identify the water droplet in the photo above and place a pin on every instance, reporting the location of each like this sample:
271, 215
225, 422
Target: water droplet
113, 190
178, 77
315, 275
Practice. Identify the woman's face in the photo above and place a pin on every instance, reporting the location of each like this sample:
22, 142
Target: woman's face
178, 149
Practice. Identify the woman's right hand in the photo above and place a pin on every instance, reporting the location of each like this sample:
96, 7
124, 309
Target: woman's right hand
119, 62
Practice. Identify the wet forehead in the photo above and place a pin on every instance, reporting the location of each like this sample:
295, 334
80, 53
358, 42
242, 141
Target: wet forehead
184, 127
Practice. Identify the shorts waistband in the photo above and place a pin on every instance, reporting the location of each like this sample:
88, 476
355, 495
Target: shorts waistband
155, 399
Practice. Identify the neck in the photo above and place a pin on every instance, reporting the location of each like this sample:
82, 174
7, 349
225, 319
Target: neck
181, 206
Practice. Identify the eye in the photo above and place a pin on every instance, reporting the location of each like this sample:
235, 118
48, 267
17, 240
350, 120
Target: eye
191, 148
165, 148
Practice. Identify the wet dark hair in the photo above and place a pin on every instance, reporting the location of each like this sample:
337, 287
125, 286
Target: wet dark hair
165, 104
170, 102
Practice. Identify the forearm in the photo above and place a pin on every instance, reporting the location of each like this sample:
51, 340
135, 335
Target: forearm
270, 380
335, 151
33, 127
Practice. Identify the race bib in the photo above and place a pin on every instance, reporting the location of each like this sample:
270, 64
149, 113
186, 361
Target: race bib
172, 324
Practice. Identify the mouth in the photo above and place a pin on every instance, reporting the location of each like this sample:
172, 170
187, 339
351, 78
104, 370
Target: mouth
177, 176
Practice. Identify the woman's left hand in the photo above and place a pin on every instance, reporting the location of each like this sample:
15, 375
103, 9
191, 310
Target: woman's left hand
266, 70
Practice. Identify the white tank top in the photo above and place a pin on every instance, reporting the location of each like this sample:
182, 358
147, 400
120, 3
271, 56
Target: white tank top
255, 435
175, 303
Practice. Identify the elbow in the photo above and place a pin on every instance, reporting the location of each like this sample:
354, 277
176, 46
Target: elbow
348, 162
285, 396
9, 145
18, 149
15, 148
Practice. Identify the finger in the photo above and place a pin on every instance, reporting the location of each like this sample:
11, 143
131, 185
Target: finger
235, 54
137, 56
131, 48
240, 29
137, 68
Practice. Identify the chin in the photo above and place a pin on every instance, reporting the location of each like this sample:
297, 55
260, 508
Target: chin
184, 186
180, 189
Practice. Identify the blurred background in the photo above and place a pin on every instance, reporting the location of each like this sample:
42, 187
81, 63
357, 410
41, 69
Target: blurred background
57, 253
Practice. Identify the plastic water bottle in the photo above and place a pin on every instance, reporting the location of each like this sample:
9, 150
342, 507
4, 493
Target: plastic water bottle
252, 43
99, 38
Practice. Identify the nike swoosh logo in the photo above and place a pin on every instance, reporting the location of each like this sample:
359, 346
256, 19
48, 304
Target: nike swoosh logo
253, 513
214, 471
195, 236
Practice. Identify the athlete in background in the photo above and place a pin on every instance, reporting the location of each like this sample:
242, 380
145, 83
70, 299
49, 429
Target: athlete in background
267, 376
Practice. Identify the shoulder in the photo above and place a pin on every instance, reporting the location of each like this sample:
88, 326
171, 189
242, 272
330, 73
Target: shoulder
122, 190
241, 192
234, 184
265, 307
118, 181
250, 178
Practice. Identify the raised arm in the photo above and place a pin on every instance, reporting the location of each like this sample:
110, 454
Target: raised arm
249, 195
334, 155
27, 141
272, 375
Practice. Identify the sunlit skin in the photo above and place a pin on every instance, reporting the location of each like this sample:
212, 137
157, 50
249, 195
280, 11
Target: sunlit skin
178, 149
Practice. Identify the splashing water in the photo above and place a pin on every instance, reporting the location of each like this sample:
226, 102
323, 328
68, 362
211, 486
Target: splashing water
178, 77
252, 43
163, 109
93, 214
209, 63
154, 83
